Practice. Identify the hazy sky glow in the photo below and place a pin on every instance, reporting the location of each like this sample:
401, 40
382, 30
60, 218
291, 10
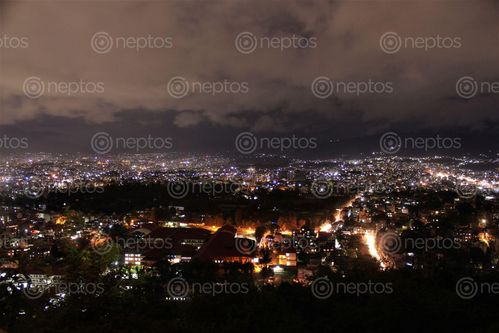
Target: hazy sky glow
125, 89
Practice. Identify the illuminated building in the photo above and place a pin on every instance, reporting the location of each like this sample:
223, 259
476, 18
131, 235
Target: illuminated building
224, 247
133, 259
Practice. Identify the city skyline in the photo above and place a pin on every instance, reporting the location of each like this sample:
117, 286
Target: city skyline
246, 166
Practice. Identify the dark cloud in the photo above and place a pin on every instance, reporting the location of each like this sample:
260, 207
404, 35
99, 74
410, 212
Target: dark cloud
279, 98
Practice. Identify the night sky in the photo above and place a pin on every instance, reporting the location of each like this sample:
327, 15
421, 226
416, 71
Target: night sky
126, 89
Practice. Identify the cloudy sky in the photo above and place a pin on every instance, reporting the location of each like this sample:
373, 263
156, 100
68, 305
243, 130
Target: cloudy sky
249, 66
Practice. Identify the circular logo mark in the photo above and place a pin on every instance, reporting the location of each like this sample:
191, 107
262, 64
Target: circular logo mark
390, 143
466, 288
178, 189
322, 87
28, 289
466, 87
390, 243
177, 288
177, 87
101, 244
33, 87
246, 143
101, 42
101, 143
390, 42
245, 246
322, 189
322, 288
466, 191
34, 188
246, 42
305, 244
